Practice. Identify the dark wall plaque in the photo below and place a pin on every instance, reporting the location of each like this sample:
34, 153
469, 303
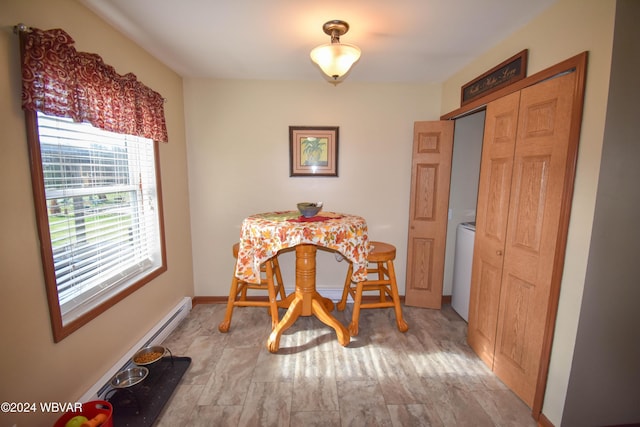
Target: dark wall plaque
510, 71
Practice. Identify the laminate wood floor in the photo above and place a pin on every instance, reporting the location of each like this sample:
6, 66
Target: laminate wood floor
427, 376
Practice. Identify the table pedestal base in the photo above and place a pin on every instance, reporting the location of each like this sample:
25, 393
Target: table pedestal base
306, 301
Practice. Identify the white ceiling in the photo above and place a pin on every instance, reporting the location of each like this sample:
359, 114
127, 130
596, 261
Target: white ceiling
401, 40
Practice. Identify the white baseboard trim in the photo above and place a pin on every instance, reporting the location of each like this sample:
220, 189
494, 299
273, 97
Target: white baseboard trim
155, 336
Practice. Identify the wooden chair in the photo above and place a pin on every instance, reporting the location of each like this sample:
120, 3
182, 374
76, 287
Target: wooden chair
239, 288
384, 283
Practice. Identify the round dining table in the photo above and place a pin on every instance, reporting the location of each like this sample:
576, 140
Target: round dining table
263, 235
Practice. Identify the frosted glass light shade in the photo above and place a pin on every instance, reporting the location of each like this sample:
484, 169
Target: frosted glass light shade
335, 59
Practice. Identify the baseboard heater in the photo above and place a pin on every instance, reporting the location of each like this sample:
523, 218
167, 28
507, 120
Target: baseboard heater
154, 337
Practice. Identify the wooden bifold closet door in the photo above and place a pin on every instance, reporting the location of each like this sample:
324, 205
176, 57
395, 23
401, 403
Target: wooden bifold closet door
522, 186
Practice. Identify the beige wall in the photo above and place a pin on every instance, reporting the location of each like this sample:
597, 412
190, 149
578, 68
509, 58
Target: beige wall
238, 144
566, 29
32, 367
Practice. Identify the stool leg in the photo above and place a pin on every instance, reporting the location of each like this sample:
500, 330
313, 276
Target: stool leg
355, 317
226, 323
280, 286
273, 305
381, 277
243, 292
345, 292
402, 325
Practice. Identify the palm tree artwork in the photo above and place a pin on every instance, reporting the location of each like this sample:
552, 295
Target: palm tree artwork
314, 151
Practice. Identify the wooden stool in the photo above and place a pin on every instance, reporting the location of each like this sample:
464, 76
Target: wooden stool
382, 254
238, 292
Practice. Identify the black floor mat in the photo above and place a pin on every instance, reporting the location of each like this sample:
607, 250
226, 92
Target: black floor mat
140, 405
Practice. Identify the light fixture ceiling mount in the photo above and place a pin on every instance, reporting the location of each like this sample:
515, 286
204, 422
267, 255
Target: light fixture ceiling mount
335, 29
335, 59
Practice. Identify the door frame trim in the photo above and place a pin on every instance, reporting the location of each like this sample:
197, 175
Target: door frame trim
577, 64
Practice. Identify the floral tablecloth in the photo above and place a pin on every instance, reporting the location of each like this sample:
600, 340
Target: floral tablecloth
263, 235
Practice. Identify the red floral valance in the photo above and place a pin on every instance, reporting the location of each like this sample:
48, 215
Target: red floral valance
60, 81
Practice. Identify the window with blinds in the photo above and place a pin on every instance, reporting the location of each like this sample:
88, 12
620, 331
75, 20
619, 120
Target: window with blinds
101, 195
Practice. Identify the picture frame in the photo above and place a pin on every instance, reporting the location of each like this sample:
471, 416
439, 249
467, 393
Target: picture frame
313, 150
503, 74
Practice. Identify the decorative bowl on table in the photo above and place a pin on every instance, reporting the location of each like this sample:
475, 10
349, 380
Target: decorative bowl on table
148, 355
309, 209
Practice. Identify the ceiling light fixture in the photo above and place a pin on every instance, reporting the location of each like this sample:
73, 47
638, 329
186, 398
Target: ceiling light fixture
335, 58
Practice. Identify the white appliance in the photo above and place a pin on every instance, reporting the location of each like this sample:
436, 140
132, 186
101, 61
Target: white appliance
463, 259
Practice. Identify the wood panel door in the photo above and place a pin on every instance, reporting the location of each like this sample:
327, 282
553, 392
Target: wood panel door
517, 229
494, 189
537, 192
428, 208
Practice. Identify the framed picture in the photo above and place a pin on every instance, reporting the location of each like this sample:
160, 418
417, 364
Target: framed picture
313, 150
503, 74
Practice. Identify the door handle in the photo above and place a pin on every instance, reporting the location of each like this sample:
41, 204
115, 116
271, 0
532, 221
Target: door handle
499, 252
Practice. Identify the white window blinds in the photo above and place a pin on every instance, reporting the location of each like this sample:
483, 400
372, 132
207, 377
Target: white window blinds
102, 205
